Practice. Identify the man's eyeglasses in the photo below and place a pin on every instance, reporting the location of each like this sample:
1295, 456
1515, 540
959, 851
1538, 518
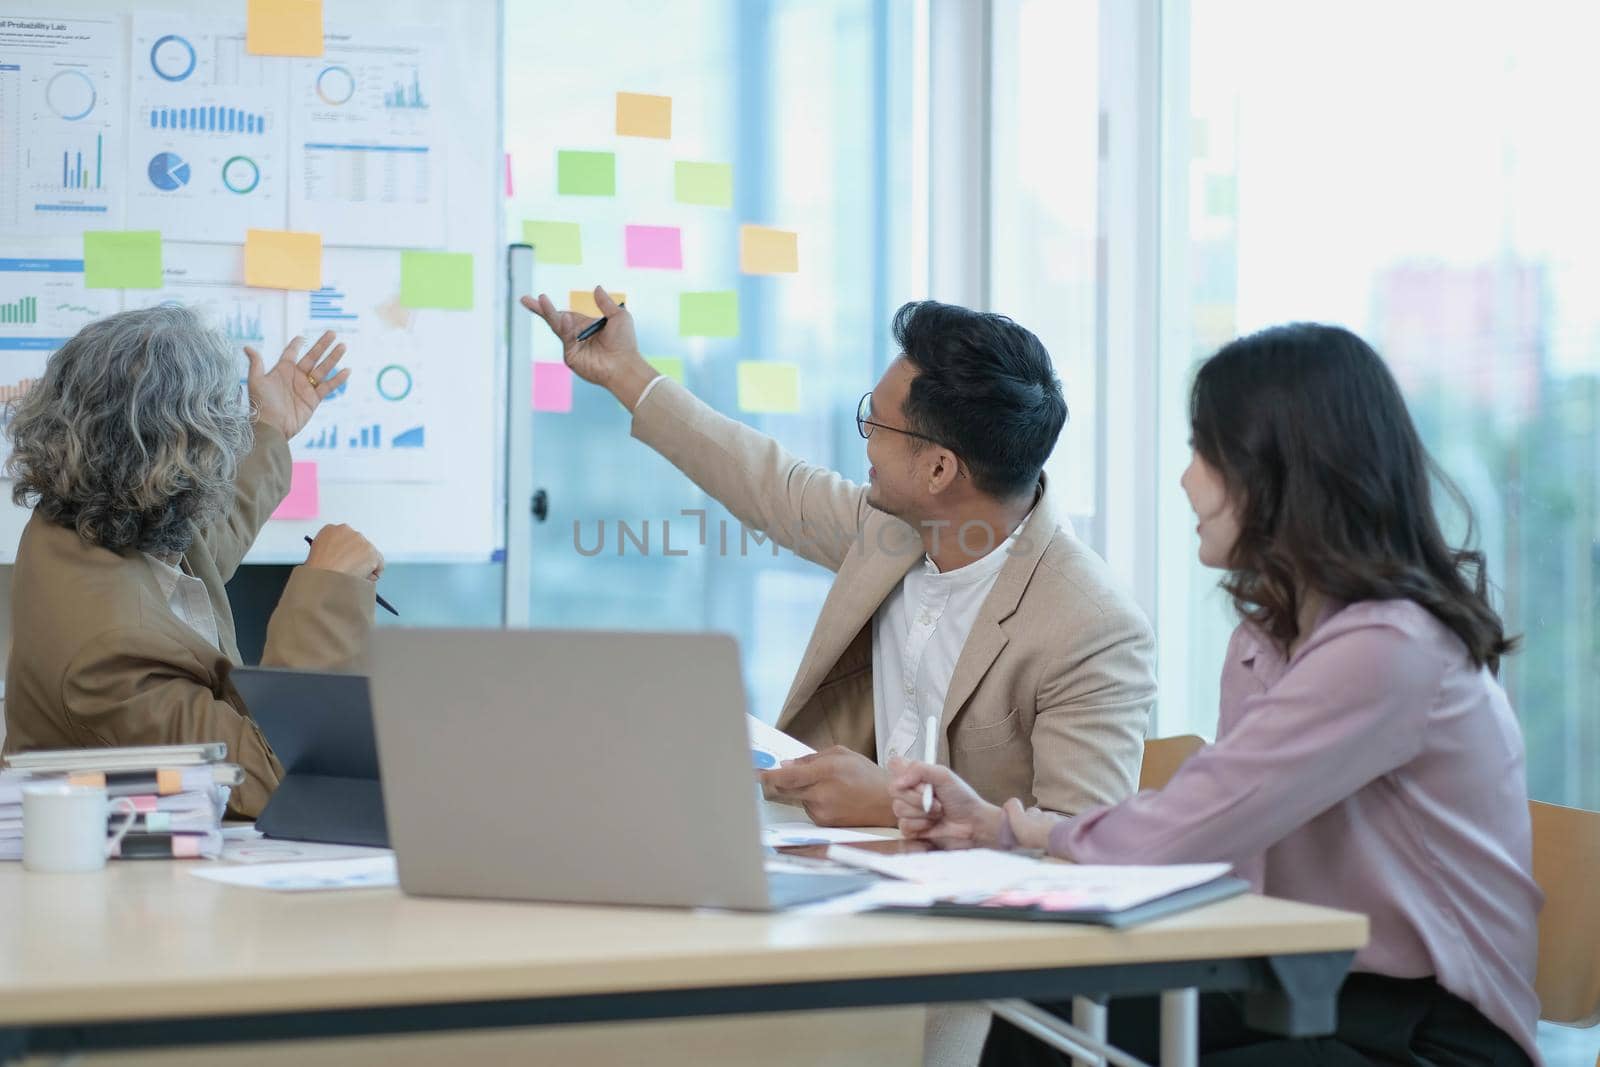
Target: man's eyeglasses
865, 425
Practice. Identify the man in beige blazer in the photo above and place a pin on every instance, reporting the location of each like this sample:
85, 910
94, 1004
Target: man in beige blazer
961, 590
148, 486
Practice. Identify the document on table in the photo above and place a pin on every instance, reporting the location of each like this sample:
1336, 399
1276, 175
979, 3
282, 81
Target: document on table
978, 871
374, 872
244, 844
795, 834
770, 746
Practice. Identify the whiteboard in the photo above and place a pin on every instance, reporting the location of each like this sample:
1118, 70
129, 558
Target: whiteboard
153, 116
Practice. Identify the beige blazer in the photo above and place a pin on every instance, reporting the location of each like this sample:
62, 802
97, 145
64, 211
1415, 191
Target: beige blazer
1052, 693
98, 657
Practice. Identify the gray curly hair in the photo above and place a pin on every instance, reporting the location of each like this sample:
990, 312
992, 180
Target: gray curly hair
134, 434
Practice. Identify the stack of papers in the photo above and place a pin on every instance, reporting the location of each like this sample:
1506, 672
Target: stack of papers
177, 795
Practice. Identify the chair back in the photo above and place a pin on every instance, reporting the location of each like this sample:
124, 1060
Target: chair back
1163, 756
1566, 864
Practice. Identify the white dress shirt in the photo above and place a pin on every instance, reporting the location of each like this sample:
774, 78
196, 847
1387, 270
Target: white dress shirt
187, 597
917, 636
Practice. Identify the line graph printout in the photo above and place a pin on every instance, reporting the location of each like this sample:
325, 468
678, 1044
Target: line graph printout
61, 127
207, 143
366, 153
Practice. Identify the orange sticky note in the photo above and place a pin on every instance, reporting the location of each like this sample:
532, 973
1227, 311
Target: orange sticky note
641, 115
284, 28
768, 251
302, 502
283, 259
582, 301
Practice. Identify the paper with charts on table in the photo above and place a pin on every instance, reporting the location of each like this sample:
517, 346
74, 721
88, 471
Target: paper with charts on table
1007, 878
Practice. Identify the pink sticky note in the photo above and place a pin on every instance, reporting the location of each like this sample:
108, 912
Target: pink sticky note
655, 246
510, 190
301, 503
552, 387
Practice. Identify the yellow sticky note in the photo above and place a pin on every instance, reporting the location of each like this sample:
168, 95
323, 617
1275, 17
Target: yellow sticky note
641, 115
769, 388
582, 301
767, 251
284, 28
283, 259
668, 366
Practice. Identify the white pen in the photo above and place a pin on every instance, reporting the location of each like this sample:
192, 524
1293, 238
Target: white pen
930, 752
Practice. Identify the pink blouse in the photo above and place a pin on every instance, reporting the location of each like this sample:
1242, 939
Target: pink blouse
1376, 771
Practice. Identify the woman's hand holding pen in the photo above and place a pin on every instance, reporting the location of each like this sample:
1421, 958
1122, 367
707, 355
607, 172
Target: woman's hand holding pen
608, 358
341, 549
958, 816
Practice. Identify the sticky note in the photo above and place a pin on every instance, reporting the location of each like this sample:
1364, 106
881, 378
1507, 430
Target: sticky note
122, 259
704, 183
1222, 194
554, 242
510, 189
302, 502
552, 387
767, 251
769, 388
714, 314
582, 301
669, 366
660, 247
641, 115
283, 259
436, 280
284, 28
586, 173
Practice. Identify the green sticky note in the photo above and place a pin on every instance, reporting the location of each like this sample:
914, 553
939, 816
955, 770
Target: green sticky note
1222, 195
122, 259
586, 173
704, 183
553, 242
769, 388
669, 366
436, 280
714, 314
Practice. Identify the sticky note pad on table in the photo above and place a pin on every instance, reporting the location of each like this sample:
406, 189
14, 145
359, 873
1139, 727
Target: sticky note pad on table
713, 314
669, 366
436, 280
122, 259
768, 251
582, 301
302, 502
642, 115
710, 184
660, 247
769, 388
552, 387
554, 242
283, 28
586, 173
283, 259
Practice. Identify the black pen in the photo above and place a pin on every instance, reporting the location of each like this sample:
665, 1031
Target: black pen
595, 327
382, 603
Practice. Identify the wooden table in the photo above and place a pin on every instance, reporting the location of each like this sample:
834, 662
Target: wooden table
144, 955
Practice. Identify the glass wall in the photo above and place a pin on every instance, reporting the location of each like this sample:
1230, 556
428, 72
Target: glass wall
1042, 177
807, 103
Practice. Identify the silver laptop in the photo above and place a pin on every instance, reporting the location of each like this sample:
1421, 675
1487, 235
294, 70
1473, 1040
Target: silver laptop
581, 766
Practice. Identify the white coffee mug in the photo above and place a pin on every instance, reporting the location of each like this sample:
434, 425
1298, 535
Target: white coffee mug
64, 827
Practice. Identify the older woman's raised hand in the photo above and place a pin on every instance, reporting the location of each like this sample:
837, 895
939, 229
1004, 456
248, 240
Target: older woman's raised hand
285, 396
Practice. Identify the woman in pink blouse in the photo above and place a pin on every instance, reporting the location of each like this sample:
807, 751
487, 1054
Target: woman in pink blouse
1366, 757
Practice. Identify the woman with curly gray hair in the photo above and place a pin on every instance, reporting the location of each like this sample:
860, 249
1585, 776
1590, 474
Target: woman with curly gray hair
149, 481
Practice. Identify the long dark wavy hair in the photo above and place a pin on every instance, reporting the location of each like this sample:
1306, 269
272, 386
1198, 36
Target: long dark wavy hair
1312, 439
